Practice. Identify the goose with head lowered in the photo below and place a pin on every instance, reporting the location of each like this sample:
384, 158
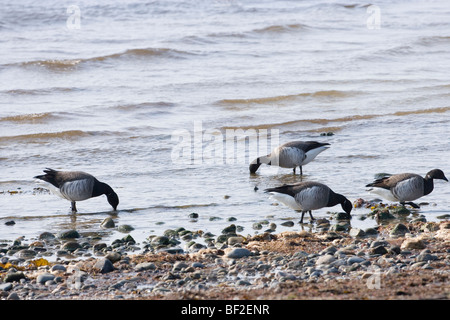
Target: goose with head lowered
290, 155
308, 196
406, 187
78, 186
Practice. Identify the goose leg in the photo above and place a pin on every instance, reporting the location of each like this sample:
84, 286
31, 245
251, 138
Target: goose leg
310, 214
301, 171
301, 219
294, 170
74, 207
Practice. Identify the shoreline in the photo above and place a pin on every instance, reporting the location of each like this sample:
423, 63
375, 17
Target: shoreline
403, 261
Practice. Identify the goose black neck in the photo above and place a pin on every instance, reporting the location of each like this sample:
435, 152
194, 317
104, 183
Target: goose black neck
101, 188
335, 198
428, 185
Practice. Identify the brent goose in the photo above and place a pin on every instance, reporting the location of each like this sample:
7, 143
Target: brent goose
77, 186
308, 196
291, 155
405, 187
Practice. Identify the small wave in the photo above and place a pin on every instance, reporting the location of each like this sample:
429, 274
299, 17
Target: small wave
275, 29
43, 91
321, 129
422, 111
303, 121
71, 64
69, 134
197, 40
432, 40
343, 120
53, 64
269, 30
147, 52
144, 105
402, 50
265, 100
30, 118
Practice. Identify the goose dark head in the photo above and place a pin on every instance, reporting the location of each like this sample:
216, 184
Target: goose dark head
113, 199
346, 206
254, 165
436, 174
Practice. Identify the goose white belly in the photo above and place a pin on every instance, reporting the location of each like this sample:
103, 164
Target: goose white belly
384, 193
286, 199
311, 154
52, 188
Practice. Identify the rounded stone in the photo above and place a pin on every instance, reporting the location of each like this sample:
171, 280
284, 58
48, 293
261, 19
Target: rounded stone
108, 223
44, 277
179, 265
13, 296
69, 234
412, 243
357, 233
235, 240
26, 254
58, 267
257, 226
160, 240
145, 266
288, 223
6, 286
113, 256
355, 259
399, 230
71, 246
104, 265
197, 264
125, 228
325, 259
426, 257
46, 236
99, 246
237, 253
379, 250
13, 276
230, 229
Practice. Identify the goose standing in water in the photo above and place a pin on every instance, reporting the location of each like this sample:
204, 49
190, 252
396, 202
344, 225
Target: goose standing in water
77, 186
308, 196
290, 155
406, 187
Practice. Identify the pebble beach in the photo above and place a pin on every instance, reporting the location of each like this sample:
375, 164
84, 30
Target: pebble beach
396, 260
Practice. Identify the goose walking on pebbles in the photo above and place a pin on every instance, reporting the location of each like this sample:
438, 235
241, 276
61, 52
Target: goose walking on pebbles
308, 196
406, 187
290, 155
77, 186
